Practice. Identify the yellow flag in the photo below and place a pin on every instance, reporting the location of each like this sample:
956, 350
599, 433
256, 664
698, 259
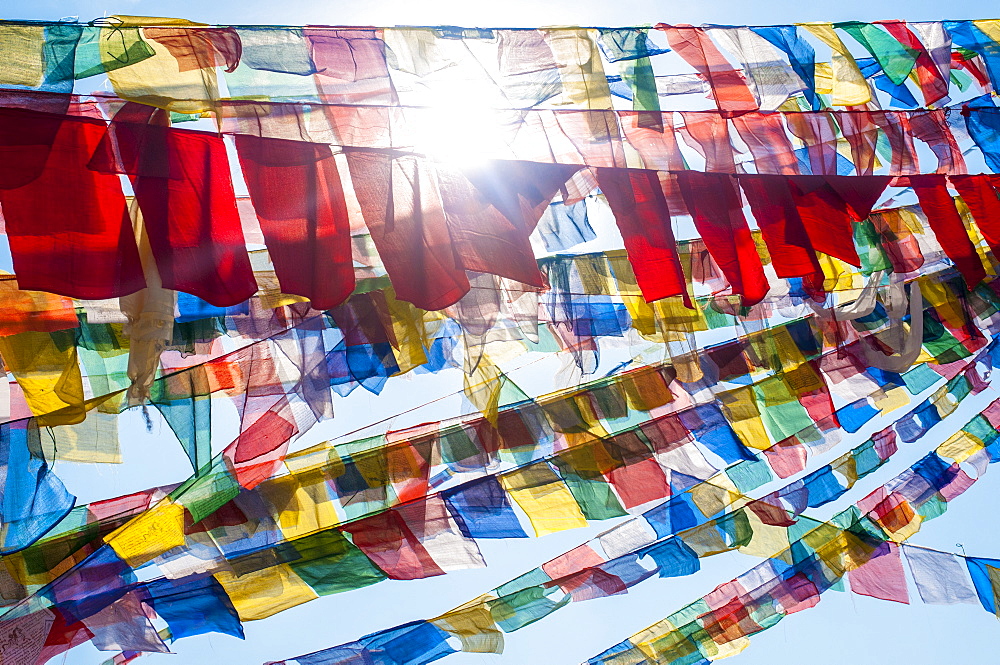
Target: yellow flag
849, 85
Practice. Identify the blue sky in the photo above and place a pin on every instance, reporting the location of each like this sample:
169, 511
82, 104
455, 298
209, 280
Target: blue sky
842, 628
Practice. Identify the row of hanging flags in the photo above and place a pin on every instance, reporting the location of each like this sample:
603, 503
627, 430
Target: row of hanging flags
284, 541
810, 261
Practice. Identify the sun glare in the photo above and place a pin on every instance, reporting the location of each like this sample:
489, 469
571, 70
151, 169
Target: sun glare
459, 133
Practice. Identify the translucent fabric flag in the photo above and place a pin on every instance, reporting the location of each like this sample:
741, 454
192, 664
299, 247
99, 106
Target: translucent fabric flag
639, 482
931, 127
673, 558
818, 131
646, 389
545, 498
708, 133
51, 185
801, 55
192, 608
365, 354
581, 70
932, 79
183, 61
276, 63
182, 184
980, 194
714, 203
984, 128
935, 37
492, 208
34, 499
299, 201
781, 411
640, 209
672, 517
986, 578
653, 137
728, 86
481, 510
526, 599
268, 424
305, 348
299, 504
73, 593
192, 308
103, 48
861, 133
22, 49
58, 55
473, 625
881, 576
403, 214
329, 563
903, 252
784, 233
619, 44
849, 85
563, 226
632, 49
708, 425
828, 205
259, 594
351, 68
24, 638
276, 49
183, 402
903, 152
158, 530
47, 370
95, 440
528, 71
947, 225
979, 37
895, 59
592, 494
36, 311
269, 418
417, 642
432, 524
389, 543
772, 79
939, 577
195, 48
123, 626
765, 136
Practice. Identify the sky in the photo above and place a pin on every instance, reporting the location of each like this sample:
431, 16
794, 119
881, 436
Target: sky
843, 627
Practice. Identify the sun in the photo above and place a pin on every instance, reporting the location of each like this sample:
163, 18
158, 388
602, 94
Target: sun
458, 133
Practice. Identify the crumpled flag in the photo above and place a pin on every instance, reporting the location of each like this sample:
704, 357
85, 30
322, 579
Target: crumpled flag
46, 368
183, 61
771, 78
939, 206
849, 85
183, 188
728, 86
